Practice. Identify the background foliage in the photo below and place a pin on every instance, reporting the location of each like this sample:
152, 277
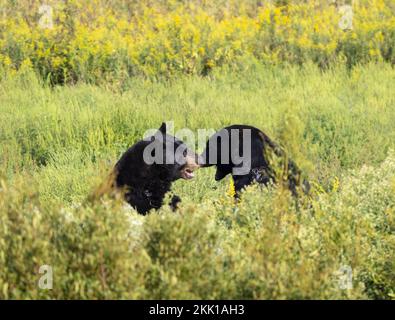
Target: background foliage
109, 41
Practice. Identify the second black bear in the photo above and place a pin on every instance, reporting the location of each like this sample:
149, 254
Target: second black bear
147, 170
230, 143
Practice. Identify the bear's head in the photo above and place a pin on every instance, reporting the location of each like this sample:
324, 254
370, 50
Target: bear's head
169, 157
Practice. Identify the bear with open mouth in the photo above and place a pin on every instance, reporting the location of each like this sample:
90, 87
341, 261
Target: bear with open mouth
147, 169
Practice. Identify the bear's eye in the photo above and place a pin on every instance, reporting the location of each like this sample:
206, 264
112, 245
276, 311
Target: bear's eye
185, 152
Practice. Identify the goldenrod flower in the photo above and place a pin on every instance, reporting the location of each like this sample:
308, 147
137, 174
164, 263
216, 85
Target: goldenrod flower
231, 191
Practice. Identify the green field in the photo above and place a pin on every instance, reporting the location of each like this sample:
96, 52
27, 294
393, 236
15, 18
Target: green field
58, 143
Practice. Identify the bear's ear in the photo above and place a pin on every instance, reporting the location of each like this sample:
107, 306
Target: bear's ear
162, 128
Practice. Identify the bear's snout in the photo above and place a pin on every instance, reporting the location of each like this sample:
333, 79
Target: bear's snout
191, 164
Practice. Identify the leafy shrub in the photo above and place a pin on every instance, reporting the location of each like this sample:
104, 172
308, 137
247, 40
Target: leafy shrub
264, 247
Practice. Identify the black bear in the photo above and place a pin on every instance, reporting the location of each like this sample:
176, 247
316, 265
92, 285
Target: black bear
146, 170
242, 151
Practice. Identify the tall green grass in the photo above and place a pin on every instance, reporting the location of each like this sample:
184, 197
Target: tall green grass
56, 144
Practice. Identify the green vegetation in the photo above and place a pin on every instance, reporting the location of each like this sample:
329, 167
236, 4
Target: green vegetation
58, 143
109, 41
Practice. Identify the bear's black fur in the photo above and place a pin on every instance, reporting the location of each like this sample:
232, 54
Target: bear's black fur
260, 170
145, 184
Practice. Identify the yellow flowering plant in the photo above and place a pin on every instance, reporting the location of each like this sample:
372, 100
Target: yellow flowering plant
111, 41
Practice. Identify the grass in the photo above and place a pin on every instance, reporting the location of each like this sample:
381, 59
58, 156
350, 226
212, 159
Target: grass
57, 143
